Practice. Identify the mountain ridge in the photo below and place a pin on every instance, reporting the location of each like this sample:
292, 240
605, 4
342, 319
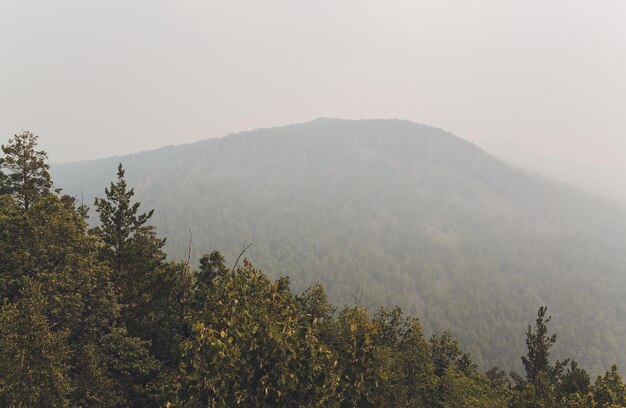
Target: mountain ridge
200, 143
403, 213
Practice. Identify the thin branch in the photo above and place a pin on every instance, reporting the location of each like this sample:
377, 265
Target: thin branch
189, 248
241, 254
184, 280
358, 296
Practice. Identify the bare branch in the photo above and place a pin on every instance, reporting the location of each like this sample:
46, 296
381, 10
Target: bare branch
243, 251
181, 296
358, 296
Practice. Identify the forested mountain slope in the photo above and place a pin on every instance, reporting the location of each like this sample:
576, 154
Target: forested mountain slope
392, 212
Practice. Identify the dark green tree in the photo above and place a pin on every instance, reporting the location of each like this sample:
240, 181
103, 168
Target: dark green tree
34, 358
24, 169
212, 268
609, 390
542, 385
539, 343
411, 381
446, 351
76, 315
119, 222
574, 380
498, 378
133, 251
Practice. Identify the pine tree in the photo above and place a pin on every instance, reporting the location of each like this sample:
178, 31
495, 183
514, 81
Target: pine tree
539, 345
119, 221
24, 170
144, 281
132, 249
74, 312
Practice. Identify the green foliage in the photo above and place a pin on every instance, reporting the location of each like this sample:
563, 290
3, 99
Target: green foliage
404, 214
411, 378
60, 313
131, 247
365, 363
24, 170
100, 319
609, 390
144, 281
575, 380
446, 351
249, 348
539, 343
34, 357
469, 391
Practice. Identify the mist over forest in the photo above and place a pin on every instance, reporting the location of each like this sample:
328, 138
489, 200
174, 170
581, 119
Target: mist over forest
401, 262
342, 204
389, 212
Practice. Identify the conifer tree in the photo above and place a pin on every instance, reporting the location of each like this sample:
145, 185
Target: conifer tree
131, 248
60, 313
24, 170
119, 221
575, 380
34, 359
539, 344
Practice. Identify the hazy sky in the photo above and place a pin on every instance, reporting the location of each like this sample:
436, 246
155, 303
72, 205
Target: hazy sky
97, 78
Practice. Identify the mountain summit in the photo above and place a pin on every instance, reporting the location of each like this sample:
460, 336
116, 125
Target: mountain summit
390, 212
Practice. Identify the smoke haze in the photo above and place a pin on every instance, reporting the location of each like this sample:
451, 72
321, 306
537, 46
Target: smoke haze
521, 79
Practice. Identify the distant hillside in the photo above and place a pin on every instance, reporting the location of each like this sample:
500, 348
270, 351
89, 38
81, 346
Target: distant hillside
392, 212
604, 181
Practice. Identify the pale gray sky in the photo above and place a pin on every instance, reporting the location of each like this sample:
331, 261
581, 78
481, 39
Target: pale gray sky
98, 78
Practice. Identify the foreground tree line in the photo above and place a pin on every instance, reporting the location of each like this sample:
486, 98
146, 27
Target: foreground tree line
98, 317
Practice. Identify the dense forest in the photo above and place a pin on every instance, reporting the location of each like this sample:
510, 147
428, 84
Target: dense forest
98, 317
389, 212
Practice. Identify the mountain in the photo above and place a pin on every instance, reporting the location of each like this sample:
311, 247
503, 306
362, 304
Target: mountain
393, 212
604, 181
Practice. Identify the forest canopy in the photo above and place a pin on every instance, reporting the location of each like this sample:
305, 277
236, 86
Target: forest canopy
97, 316
394, 213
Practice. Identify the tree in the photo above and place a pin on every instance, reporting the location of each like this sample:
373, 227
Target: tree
34, 358
119, 221
610, 390
24, 170
365, 363
74, 309
133, 251
541, 387
498, 378
575, 380
248, 347
539, 344
212, 268
411, 381
445, 351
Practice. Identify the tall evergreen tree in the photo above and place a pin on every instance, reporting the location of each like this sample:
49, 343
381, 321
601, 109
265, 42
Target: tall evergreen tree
145, 283
131, 248
24, 170
119, 221
61, 313
539, 344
